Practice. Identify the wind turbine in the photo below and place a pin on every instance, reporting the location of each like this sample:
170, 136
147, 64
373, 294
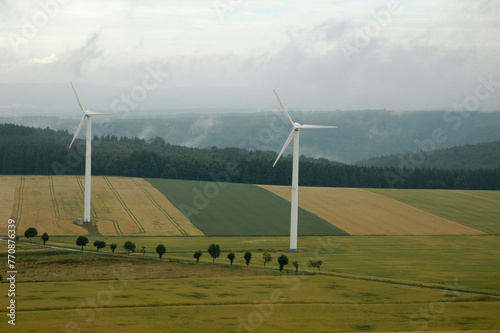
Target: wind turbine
294, 134
87, 114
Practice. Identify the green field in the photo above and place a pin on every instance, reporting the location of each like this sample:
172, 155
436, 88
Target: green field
229, 209
429, 260
366, 283
219, 298
476, 209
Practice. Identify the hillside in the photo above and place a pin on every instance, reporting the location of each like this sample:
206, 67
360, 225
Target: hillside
25, 151
361, 134
467, 157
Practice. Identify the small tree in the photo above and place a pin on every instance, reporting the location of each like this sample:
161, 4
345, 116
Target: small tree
296, 265
45, 237
161, 249
248, 257
231, 257
129, 246
99, 244
214, 251
143, 250
82, 241
315, 264
113, 246
197, 255
267, 258
30, 232
282, 260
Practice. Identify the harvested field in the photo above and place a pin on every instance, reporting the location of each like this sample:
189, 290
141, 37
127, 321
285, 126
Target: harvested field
361, 212
476, 209
120, 206
8, 189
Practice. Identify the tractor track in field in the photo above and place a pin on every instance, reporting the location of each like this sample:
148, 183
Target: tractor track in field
19, 211
55, 205
138, 224
163, 211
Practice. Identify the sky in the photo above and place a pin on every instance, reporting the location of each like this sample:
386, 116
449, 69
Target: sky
156, 56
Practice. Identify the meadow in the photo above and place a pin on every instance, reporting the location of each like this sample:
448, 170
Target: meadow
429, 260
65, 291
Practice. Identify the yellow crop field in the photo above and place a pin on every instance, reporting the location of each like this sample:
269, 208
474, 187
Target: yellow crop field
361, 212
120, 206
7, 192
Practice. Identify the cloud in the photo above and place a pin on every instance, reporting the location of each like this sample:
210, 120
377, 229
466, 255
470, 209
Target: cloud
83, 57
53, 58
428, 56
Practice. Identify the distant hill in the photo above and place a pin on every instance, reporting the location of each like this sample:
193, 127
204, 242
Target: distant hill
361, 134
32, 151
467, 157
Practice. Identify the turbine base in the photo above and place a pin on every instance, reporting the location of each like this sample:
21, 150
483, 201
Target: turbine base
292, 250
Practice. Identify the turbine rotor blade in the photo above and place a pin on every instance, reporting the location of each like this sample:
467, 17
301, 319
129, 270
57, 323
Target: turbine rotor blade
81, 106
290, 137
93, 113
77, 131
284, 109
316, 126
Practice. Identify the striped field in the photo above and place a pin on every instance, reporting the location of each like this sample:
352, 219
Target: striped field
162, 207
361, 212
120, 206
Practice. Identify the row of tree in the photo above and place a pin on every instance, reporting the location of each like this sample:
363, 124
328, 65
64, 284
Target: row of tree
213, 250
32, 152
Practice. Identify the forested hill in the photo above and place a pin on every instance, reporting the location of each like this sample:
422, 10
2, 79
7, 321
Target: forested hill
467, 157
25, 151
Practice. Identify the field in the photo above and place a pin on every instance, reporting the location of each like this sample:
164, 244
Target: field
415, 260
66, 291
135, 207
238, 209
362, 212
120, 206
404, 259
476, 209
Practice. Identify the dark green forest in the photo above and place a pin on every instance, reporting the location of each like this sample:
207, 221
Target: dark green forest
26, 150
469, 157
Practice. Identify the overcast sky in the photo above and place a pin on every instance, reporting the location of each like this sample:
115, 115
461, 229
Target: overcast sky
318, 54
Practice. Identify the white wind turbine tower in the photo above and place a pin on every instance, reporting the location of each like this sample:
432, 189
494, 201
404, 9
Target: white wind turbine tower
87, 114
296, 127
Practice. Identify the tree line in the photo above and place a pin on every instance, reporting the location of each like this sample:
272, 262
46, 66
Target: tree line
29, 151
213, 250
